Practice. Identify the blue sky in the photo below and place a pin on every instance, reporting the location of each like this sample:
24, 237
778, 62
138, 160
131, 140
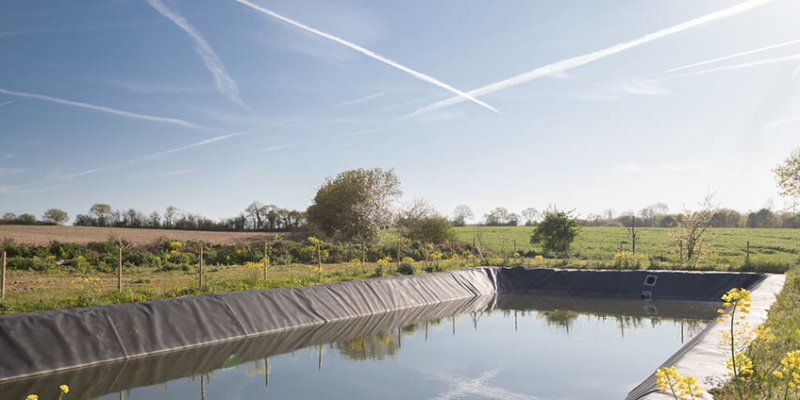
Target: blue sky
210, 105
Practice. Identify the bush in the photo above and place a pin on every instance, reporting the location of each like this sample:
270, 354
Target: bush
141, 258
405, 268
629, 260
556, 231
20, 263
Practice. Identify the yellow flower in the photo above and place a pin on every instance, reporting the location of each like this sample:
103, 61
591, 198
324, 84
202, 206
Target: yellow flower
64, 389
744, 366
32, 397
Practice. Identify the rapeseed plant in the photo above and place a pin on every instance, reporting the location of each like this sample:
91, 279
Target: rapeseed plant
682, 387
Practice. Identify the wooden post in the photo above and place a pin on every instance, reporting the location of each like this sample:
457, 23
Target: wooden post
620, 247
266, 260
3, 282
680, 249
747, 260
200, 266
319, 262
474, 243
515, 246
398, 252
119, 268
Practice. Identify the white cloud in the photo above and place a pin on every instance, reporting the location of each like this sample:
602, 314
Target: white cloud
641, 88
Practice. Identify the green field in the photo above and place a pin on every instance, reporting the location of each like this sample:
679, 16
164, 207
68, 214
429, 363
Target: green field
725, 245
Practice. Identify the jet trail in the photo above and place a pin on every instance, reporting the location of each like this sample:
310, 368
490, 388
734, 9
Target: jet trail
224, 82
794, 57
578, 61
744, 53
154, 155
109, 110
371, 54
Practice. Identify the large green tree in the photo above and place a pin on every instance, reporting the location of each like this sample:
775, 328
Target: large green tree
55, 216
355, 205
556, 231
788, 176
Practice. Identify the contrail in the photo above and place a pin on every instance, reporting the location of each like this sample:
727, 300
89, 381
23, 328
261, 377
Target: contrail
224, 82
154, 155
794, 57
5, 103
109, 110
578, 61
744, 53
371, 54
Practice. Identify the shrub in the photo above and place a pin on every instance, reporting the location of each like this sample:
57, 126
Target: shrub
141, 258
556, 231
405, 268
20, 263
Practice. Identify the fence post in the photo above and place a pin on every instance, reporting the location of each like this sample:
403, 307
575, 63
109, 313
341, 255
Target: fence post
515, 245
200, 266
620, 247
119, 269
3, 282
681, 249
266, 260
747, 260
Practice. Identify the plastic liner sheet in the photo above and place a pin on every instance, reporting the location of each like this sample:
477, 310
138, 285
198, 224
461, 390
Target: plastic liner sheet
47, 342
95, 381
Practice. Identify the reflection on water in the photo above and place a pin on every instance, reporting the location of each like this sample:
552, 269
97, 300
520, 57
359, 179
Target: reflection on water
519, 347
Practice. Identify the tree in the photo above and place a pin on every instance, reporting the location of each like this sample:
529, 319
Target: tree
556, 231
500, 216
55, 216
102, 214
461, 214
788, 176
632, 231
169, 216
690, 228
420, 221
354, 205
9, 216
26, 219
530, 215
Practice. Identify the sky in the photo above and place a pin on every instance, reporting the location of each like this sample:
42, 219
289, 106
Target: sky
211, 105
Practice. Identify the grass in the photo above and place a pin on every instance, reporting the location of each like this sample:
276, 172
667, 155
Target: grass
29, 291
770, 249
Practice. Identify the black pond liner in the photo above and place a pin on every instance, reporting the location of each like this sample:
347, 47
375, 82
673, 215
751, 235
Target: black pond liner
160, 340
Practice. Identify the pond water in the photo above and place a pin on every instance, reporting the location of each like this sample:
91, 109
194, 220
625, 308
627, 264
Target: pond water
526, 348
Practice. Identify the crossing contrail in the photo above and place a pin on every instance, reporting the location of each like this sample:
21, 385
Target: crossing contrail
224, 82
371, 54
578, 61
174, 121
744, 53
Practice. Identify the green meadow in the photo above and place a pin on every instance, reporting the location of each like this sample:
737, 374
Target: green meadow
724, 245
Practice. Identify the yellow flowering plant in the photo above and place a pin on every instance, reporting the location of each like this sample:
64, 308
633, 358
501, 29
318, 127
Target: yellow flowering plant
789, 372
681, 387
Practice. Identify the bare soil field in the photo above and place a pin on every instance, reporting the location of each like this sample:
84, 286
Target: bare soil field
42, 235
